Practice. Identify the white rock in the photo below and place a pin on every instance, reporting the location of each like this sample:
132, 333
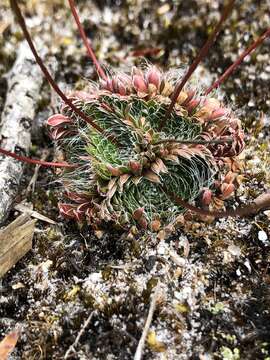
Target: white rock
234, 250
262, 236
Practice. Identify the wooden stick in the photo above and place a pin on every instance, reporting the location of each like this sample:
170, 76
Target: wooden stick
15, 242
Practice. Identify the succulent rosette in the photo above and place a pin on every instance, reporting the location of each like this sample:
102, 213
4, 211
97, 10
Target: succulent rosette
130, 172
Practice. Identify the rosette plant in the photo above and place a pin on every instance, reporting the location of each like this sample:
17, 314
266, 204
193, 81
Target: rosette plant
141, 147
148, 155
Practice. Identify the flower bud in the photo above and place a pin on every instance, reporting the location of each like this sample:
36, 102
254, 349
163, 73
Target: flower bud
207, 197
59, 133
118, 86
153, 76
107, 85
211, 104
218, 113
190, 95
167, 89
139, 84
135, 167
227, 190
143, 223
138, 213
155, 225
192, 105
229, 178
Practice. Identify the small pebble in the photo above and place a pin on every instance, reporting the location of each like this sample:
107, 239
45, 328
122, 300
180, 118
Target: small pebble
262, 236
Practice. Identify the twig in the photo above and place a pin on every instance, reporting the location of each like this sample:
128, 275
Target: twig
140, 347
32, 183
72, 347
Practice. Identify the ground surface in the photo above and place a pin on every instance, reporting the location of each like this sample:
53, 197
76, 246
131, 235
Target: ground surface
214, 278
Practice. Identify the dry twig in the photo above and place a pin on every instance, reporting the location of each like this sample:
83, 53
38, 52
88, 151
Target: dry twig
72, 347
140, 347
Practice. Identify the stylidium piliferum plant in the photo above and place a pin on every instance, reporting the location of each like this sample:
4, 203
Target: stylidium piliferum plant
148, 155
141, 147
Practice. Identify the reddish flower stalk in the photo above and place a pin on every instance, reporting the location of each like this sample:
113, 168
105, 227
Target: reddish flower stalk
45, 71
203, 52
35, 161
260, 203
86, 41
231, 68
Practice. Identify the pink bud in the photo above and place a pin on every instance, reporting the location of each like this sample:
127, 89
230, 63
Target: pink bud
118, 86
153, 76
227, 190
143, 223
135, 167
138, 213
192, 104
155, 225
207, 197
211, 103
58, 119
229, 178
216, 114
139, 84
107, 85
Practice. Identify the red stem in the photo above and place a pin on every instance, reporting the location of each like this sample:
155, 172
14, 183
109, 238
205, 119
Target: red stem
202, 53
67, 101
261, 202
86, 41
35, 161
231, 68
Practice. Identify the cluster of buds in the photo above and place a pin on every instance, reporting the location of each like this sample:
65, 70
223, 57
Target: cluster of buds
187, 156
140, 83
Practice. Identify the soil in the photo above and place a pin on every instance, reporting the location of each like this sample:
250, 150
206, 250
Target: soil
214, 276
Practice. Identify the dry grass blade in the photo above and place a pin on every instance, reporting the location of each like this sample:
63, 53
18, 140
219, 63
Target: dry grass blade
27, 210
